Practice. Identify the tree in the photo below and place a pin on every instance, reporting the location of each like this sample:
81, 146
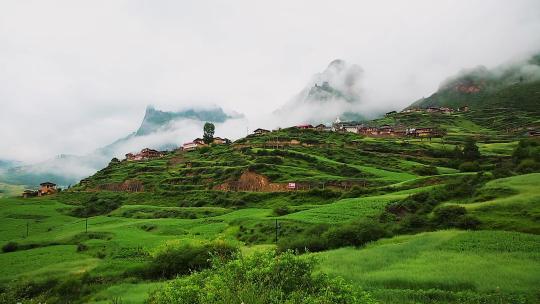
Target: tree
458, 154
209, 130
470, 150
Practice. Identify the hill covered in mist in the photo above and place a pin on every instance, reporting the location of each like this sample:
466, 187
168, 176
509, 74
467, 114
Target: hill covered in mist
336, 91
515, 86
162, 130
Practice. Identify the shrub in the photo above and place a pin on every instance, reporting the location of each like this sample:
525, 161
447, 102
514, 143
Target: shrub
528, 166
81, 247
266, 277
281, 210
96, 205
10, 247
527, 148
469, 167
354, 234
173, 257
203, 150
414, 222
454, 216
426, 170
470, 150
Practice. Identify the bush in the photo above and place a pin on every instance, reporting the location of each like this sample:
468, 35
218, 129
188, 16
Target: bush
310, 240
469, 167
281, 210
81, 247
261, 278
354, 234
453, 216
413, 222
470, 150
528, 165
97, 205
174, 258
426, 170
10, 247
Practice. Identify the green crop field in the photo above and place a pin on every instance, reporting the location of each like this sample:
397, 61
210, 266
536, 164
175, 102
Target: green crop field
443, 267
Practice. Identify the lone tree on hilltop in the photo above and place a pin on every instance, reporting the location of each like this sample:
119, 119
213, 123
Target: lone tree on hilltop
209, 130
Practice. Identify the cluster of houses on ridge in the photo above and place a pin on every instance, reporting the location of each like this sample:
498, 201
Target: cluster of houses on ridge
373, 131
45, 188
199, 142
444, 110
148, 153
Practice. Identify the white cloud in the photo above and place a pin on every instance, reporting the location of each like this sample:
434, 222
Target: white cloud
76, 75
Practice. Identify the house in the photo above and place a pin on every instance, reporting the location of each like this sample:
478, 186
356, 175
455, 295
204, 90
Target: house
533, 133
260, 131
390, 113
338, 126
145, 153
320, 127
305, 127
199, 141
433, 110
463, 109
369, 131
221, 141
386, 130
353, 128
400, 131
446, 110
46, 188
29, 193
189, 146
427, 132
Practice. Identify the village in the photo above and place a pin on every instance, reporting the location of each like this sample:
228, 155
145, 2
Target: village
360, 128
336, 126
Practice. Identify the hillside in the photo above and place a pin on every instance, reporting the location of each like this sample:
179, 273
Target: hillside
514, 87
158, 129
348, 190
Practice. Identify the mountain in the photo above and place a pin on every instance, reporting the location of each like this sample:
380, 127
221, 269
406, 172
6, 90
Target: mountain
155, 119
515, 86
336, 91
160, 130
6, 164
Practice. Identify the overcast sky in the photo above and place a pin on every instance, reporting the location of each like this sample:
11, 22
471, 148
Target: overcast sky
76, 75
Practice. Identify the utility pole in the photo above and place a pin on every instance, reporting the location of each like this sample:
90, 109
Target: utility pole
277, 229
27, 226
86, 225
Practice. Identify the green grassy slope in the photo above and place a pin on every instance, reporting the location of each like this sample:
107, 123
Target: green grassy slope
511, 203
444, 267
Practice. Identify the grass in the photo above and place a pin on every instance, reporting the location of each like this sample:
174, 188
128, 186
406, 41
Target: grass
345, 209
125, 293
511, 203
46, 262
442, 265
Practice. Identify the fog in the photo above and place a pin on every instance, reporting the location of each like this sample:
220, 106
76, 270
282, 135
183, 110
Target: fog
78, 75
